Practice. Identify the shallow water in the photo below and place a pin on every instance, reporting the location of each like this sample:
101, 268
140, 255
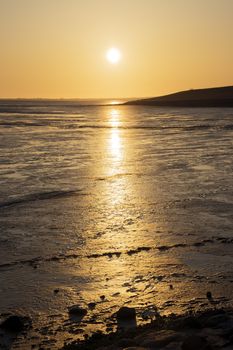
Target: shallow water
133, 203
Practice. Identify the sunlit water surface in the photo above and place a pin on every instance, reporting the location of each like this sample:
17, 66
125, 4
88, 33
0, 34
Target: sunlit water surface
116, 205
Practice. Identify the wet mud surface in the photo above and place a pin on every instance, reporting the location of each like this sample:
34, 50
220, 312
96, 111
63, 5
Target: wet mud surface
107, 207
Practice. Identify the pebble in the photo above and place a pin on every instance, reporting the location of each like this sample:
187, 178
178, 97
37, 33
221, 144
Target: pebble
77, 310
91, 305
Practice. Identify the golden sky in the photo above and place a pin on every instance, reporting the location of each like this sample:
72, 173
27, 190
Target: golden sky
57, 48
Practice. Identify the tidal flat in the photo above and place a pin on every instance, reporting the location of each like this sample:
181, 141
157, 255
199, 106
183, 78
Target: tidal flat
109, 206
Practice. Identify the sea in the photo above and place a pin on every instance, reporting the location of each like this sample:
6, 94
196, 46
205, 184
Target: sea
104, 205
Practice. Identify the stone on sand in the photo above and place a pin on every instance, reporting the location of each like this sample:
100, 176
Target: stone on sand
13, 323
77, 311
126, 313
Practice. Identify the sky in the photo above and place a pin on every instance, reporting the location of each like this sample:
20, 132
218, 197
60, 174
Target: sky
57, 48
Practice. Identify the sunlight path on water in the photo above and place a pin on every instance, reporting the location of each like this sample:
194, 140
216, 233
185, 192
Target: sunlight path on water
114, 201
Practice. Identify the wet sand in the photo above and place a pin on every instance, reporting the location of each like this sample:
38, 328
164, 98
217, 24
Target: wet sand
111, 206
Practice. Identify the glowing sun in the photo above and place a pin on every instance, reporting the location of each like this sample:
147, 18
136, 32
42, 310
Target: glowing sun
113, 55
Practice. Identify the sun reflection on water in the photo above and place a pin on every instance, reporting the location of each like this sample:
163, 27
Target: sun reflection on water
115, 146
114, 119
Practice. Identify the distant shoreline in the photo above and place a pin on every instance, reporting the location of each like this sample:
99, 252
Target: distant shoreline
194, 98
210, 97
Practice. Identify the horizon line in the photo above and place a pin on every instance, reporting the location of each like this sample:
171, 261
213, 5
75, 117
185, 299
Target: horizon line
108, 98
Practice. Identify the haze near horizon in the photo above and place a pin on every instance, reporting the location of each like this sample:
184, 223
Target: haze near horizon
57, 48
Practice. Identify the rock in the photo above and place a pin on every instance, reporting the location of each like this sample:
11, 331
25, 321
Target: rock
109, 329
77, 311
126, 313
135, 348
188, 322
14, 323
150, 313
91, 305
160, 339
102, 297
126, 342
173, 346
216, 320
194, 342
56, 291
209, 295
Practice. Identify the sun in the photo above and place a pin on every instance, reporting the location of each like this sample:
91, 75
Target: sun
113, 55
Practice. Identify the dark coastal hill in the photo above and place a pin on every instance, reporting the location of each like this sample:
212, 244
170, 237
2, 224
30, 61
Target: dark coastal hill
212, 97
